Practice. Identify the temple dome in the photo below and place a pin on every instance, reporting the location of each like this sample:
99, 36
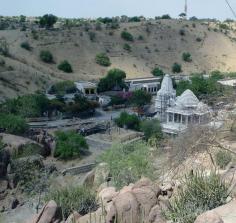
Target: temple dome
166, 85
187, 99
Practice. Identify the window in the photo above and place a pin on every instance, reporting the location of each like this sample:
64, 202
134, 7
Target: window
86, 91
92, 91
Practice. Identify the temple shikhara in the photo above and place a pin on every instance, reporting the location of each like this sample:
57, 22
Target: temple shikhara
177, 113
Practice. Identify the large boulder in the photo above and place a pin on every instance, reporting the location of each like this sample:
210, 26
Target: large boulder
209, 217
156, 215
107, 194
125, 208
50, 213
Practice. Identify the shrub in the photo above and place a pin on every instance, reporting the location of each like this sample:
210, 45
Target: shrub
224, 26
92, 36
25, 45
198, 39
127, 47
128, 121
157, 72
69, 145
152, 128
103, 60
63, 87
81, 199
140, 37
182, 32
46, 56
114, 79
4, 47
128, 163
13, 124
186, 56
176, 68
127, 36
65, 66
199, 194
223, 158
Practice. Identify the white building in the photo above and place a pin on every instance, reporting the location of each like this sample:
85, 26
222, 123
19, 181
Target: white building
88, 89
149, 84
177, 113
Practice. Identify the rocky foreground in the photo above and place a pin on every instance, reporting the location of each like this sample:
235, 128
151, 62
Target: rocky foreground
143, 201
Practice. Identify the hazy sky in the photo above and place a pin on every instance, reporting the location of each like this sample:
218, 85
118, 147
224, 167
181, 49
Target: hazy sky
96, 8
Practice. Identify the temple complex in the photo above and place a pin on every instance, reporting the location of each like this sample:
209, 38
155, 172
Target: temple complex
177, 113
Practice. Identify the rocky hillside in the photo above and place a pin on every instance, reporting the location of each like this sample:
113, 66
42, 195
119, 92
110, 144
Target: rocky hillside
156, 43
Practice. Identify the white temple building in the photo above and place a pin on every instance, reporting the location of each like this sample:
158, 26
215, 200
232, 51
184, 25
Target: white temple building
177, 113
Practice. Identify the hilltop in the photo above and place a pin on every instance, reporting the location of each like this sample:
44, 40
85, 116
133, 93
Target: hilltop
157, 43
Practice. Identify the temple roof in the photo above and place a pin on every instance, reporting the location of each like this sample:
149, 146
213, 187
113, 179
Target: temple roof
166, 85
187, 99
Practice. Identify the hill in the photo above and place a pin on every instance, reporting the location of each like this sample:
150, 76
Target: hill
156, 43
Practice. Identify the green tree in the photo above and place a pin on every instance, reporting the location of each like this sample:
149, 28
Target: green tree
152, 128
186, 56
63, 87
140, 98
127, 36
22, 18
13, 124
70, 145
48, 20
103, 60
157, 72
65, 66
114, 79
129, 121
32, 105
176, 68
46, 56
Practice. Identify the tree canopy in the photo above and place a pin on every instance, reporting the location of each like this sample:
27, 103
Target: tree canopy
114, 79
140, 98
48, 20
70, 145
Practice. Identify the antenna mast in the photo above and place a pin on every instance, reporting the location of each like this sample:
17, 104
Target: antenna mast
186, 9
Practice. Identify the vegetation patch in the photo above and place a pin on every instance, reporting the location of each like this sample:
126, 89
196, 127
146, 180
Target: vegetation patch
25, 45
65, 66
128, 121
114, 79
70, 145
63, 87
158, 72
127, 36
186, 56
103, 60
46, 56
176, 68
128, 163
223, 158
80, 199
13, 124
199, 194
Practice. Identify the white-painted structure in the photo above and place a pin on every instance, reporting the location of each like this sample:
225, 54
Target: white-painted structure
177, 113
150, 84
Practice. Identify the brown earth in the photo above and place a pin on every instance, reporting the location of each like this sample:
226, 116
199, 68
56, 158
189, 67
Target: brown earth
162, 46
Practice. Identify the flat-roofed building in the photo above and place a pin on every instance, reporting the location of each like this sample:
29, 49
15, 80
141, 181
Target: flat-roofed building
149, 84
